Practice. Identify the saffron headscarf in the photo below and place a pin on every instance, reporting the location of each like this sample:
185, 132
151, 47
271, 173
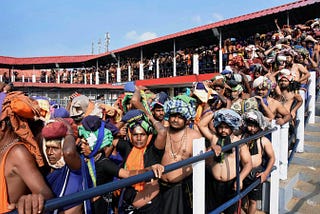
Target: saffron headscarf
20, 123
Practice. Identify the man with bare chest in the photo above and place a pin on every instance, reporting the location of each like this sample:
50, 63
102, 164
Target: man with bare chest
262, 87
176, 186
21, 183
221, 170
286, 96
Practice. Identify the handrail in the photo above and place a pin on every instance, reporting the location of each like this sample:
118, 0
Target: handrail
238, 196
55, 203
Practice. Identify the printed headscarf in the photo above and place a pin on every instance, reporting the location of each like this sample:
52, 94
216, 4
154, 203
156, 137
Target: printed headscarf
262, 82
90, 130
256, 117
137, 117
228, 116
181, 104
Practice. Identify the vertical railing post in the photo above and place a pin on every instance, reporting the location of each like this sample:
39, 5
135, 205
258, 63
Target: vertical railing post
274, 185
196, 64
300, 117
312, 92
283, 158
199, 177
129, 73
107, 76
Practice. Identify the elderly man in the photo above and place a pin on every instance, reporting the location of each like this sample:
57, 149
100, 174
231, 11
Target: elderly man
22, 185
222, 169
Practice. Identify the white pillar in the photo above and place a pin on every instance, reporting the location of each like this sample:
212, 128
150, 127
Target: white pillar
196, 64
90, 76
118, 74
157, 68
22, 78
85, 78
107, 76
220, 53
1, 79
312, 92
283, 159
129, 73
71, 77
46, 79
97, 78
58, 81
174, 66
141, 73
300, 128
198, 177
274, 186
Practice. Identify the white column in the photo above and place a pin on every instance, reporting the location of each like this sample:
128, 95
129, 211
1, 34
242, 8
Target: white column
300, 128
90, 76
274, 186
97, 78
157, 68
22, 78
174, 66
198, 177
220, 53
58, 80
71, 77
1, 79
312, 92
34, 78
283, 159
46, 78
196, 64
107, 76
141, 73
118, 74
85, 78
129, 73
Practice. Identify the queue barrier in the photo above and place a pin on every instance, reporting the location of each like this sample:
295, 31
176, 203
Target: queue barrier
56, 203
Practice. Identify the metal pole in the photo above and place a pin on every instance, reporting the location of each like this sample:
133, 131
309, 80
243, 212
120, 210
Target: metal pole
220, 51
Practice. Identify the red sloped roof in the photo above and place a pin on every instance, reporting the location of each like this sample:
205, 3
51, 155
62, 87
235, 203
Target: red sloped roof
249, 16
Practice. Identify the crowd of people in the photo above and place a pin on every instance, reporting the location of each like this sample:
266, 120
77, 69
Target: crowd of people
48, 150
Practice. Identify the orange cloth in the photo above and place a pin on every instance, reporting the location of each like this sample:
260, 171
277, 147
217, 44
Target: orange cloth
3, 185
20, 125
135, 161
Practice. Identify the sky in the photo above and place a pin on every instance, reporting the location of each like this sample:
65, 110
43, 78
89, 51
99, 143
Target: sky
31, 28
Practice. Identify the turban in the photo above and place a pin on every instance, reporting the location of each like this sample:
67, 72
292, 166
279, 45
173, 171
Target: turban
238, 88
60, 112
256, 117
218, 80
53, 133
11, 108
137, 117
160, 99
228, 116
202, 92
90, 130
250, 104
262, 82
181, 104
285, 73
79, 106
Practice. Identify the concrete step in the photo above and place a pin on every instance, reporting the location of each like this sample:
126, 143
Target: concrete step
302, 206
312, 136
304, 189
307, 159
311, 147
315, 127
